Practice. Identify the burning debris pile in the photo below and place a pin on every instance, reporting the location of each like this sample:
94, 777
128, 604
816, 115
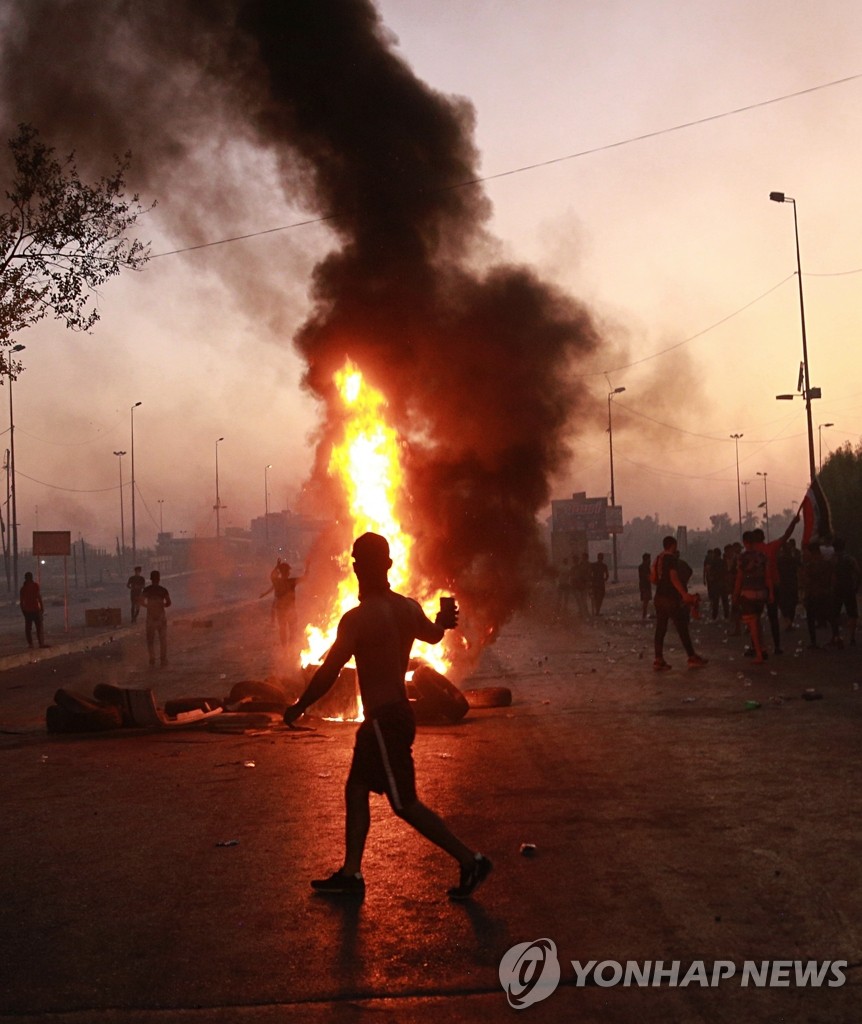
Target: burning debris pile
472, 359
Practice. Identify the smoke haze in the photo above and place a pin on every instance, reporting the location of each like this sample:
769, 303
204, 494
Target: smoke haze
475, 358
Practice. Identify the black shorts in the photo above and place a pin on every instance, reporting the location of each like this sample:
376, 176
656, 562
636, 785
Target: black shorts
383, 754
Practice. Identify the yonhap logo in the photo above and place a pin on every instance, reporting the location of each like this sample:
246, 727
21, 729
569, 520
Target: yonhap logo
530, 972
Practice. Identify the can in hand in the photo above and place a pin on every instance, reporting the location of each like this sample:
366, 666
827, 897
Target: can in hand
448, 617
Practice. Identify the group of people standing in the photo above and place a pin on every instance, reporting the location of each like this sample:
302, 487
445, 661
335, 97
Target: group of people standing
584, 582
745, 579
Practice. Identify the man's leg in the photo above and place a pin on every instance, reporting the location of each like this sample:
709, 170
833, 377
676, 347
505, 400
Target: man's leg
40, 633
752, 621
811, 620
661, 620
429, 824
151, 641
680, 621
28, 628
356, 825
774, 627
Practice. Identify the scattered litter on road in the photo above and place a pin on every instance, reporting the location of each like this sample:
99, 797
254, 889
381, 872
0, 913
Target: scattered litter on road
249, 764
528, 849
324, 775
812, 694
752, 705
689, 700
228, 842
444, 756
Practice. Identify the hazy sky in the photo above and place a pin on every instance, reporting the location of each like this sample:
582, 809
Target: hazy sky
671, 240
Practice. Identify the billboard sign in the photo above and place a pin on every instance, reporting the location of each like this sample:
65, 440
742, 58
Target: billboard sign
52, 542
592, 516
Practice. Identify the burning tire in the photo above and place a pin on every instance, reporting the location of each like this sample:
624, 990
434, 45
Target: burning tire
489, 697
437, 697
73, 712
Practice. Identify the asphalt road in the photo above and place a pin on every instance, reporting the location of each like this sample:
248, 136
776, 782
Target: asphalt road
671, 821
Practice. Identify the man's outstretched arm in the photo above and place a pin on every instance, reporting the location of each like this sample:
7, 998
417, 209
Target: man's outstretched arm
324, 678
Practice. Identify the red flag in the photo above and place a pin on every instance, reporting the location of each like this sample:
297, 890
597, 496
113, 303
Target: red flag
816, 521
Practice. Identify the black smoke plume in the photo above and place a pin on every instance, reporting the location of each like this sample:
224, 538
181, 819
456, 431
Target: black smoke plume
475, 357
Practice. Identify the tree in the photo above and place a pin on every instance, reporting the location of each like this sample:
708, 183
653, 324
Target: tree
841, 479
60, 239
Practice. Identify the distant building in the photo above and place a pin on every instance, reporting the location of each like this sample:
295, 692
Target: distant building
285, 534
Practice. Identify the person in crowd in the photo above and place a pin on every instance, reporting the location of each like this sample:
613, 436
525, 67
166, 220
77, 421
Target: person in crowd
672, 601
644, 584
581, 579
731, 558
33, 610
136, 584
564, 587
818, 588
717, 583
771, 550
753, 588
788, 562
845, 587
598, 578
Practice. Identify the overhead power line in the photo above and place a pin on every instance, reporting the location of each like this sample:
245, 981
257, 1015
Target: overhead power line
541, 163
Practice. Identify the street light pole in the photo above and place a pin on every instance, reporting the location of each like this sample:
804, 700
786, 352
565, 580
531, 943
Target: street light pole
122, 520
266, 470
217, 505
736, 438
161, 515
765, 503
780, 197
134, 532
820, 427
616, 391
13, 488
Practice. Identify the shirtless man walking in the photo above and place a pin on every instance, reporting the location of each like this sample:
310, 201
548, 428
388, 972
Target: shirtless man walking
379, 634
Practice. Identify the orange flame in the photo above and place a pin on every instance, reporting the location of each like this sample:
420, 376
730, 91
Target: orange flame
367, 462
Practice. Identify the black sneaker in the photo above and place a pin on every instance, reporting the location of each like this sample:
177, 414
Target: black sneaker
471, 878
339, 884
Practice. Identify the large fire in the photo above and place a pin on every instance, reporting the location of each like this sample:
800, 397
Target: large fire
366, 461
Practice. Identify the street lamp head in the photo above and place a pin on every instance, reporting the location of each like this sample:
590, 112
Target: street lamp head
219, 439
136, 405
785, 398
119, 453
777, 197
827, 424
736, 437
18, 348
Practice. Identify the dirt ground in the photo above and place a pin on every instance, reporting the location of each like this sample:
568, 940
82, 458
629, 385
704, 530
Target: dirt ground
703, 814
